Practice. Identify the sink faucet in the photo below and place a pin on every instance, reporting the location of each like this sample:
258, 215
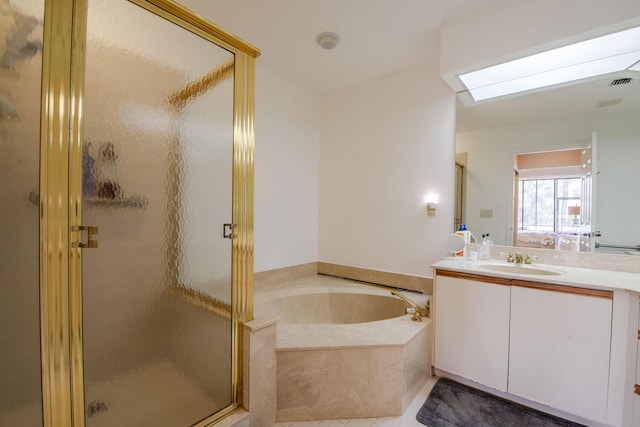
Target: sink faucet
508, 255
518, 258
419, 311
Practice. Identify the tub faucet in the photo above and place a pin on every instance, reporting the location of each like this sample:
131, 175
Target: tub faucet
419, 311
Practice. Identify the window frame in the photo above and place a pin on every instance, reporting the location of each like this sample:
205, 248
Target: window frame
557, 200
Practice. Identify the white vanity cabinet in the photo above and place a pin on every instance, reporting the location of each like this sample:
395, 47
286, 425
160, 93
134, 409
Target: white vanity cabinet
560, 347
546, 343
472, 328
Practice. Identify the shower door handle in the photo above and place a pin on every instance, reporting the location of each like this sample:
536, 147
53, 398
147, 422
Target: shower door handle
227, 231
91, 232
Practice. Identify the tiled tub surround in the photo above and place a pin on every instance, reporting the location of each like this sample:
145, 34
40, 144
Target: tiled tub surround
373, 368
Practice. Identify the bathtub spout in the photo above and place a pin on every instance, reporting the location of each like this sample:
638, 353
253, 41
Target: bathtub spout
419, 313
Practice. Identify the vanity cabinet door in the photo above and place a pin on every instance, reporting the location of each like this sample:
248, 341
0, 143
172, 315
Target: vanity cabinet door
472, 329
560, 348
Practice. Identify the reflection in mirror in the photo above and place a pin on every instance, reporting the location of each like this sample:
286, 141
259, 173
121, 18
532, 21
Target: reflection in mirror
552, 191
489, 136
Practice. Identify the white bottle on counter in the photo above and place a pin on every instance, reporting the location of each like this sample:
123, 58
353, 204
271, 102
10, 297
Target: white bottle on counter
466, 236
484, 250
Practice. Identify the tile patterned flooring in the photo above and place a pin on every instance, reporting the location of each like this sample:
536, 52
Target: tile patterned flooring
408, 419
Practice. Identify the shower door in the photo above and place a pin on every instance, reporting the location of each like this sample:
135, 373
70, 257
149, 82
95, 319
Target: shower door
157, 160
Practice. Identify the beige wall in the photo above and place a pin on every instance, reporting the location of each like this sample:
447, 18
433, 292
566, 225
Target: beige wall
385, 145
287, 128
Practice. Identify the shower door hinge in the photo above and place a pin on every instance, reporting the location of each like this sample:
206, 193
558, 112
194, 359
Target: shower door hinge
227, 231
91, 232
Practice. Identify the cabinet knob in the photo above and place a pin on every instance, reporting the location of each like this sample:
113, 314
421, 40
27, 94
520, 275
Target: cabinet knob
636, 389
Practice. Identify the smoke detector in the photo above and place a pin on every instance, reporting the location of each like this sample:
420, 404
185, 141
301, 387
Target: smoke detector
328, 40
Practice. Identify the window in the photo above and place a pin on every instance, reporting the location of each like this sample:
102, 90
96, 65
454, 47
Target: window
549, 205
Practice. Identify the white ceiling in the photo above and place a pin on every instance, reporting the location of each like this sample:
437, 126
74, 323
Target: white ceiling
379, 37
580, 99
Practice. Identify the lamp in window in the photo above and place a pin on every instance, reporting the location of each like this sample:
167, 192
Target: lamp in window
574, 211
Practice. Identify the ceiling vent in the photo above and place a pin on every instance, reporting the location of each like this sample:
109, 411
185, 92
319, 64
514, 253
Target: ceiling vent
622, 81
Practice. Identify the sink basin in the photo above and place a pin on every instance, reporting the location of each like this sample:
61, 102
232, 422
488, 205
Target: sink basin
521, 269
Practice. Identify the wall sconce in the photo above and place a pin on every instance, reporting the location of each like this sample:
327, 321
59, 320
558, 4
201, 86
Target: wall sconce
432, 202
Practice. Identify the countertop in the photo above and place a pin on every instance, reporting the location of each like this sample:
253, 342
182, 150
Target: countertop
568, 276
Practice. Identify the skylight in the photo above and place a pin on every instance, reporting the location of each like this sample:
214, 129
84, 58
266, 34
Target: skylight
607, 54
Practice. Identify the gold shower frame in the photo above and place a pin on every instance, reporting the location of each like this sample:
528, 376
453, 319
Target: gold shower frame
64, 42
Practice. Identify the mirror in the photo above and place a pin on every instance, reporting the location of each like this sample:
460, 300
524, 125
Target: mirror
490, 134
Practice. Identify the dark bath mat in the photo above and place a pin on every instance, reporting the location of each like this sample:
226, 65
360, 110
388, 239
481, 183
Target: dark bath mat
451, 404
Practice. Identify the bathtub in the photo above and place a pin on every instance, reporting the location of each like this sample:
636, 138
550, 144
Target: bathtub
337, 308
345, 350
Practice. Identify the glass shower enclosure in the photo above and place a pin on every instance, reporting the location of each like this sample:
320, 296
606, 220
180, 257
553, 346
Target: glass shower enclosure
140, 182
157, 182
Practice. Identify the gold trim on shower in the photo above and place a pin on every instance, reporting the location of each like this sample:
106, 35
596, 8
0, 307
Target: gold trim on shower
54, 225
243, 188
60, 306
185, 18
78, 49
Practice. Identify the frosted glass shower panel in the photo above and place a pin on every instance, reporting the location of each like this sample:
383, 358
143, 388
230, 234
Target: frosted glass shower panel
21, 29
157, 182
206, 152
